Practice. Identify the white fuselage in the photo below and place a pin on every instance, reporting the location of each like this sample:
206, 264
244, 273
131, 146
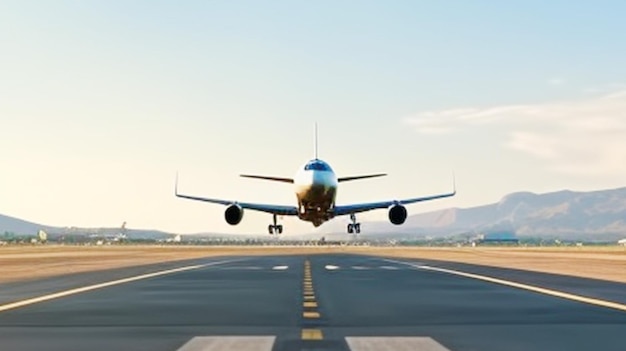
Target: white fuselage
316, 189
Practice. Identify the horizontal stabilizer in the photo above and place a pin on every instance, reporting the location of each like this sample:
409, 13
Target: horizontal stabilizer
276, 179
346, 179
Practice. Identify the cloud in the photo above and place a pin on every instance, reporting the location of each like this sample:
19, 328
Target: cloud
586, 136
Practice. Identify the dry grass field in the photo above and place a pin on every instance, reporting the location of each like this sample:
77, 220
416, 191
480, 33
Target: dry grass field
32, 262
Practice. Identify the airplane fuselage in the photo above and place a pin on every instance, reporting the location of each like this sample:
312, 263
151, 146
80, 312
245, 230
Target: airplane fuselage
316, 189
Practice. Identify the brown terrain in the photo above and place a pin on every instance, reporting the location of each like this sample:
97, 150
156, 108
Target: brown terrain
33, 262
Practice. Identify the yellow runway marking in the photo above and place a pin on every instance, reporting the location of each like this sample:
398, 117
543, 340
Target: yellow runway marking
309, 302
60, 294
537, 289
312, 334
311, 314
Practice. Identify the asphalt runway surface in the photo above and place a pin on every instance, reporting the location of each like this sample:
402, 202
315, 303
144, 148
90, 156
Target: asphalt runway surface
312, 302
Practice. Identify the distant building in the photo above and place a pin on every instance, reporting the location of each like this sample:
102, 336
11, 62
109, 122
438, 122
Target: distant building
499, 238
622, 242
43, 236
176, 239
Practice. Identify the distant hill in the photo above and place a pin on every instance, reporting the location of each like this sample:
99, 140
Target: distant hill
564, 214
19, 226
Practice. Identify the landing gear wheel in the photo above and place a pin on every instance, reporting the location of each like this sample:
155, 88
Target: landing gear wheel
275, 228
354, 227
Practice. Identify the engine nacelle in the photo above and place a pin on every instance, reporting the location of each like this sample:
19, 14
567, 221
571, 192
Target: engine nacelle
233, 214
397, 214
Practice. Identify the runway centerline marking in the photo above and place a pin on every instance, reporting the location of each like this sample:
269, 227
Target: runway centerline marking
280, 268
312, 334
34, 300
308, 314
331, 267
309, 304
533, 288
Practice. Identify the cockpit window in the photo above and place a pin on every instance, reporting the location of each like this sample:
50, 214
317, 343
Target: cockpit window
316, 165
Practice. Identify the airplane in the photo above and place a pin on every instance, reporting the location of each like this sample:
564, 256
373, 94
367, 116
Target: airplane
315, 186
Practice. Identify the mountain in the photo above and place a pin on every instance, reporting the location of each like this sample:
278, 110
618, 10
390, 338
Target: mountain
564, 214
19, 226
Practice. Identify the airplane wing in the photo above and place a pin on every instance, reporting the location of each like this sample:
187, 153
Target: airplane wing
276, 179
341, 210
347, 179
273, 209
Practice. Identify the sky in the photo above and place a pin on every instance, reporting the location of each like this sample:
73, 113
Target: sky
103, 102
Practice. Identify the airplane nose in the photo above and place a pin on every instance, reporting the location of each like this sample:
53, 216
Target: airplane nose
318, 179
323, 180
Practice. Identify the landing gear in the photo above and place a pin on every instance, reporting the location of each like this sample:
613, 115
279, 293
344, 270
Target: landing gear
354, 227
275, 228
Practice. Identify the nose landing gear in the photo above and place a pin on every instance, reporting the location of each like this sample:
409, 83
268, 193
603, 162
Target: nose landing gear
275, 228
354, 227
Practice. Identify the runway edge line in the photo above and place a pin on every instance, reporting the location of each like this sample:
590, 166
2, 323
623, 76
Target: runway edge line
43, 298
537, 289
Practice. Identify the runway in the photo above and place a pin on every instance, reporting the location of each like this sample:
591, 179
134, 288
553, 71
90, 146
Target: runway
314, 302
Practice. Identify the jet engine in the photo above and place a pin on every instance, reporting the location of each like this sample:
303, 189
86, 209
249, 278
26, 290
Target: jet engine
397, 214
233, 214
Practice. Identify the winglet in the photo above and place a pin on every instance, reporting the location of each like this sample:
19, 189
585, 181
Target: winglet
453, 183
176, 185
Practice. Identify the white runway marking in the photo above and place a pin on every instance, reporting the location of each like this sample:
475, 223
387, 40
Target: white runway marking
280, 268
537, 289
266, 343
373, 343
229, 343
74, 291
389, 267
330, 267
360, 268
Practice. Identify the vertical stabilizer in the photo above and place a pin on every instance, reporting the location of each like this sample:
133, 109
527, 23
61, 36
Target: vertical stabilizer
316, 140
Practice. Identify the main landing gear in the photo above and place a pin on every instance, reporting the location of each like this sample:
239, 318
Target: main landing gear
275, 228
354, 227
